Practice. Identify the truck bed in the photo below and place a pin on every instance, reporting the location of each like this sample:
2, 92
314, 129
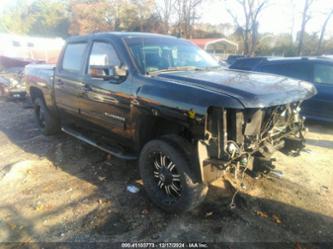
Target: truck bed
41, 77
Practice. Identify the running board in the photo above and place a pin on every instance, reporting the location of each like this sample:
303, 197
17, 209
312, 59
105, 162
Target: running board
106, 148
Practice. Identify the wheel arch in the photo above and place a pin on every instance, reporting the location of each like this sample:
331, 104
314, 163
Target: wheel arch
149, 127
180, 135
35, 93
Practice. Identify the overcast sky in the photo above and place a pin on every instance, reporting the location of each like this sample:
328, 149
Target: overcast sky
278, 17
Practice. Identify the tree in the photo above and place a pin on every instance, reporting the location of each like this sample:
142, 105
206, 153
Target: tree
186, 11
328, 46
276, 45
16, 19
323, 29
305, 18
251, 11
49, 18
114, 15
207, 30
89, 17
144, 11
40, 17
164, 9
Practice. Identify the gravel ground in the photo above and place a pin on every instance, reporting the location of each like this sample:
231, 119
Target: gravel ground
56, 189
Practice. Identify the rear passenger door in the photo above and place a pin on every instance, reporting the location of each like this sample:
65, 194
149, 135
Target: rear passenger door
68, 81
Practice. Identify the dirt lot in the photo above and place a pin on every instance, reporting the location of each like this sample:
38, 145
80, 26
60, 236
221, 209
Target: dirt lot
58, 189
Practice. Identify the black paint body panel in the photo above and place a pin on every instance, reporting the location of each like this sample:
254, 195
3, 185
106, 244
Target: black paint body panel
123, 108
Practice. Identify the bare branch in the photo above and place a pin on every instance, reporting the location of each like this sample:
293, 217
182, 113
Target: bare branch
323, 29
305, 19
234, 17
251, 10
187, 15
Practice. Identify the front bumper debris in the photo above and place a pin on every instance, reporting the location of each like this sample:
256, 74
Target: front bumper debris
239, 141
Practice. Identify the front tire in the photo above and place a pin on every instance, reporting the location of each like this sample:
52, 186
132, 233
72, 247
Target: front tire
167, 179
48, 124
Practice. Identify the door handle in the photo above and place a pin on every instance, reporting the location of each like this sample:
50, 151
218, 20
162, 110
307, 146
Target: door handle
85, 90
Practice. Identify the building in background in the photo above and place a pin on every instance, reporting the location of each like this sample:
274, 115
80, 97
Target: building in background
28, 48
221, 48
18, 51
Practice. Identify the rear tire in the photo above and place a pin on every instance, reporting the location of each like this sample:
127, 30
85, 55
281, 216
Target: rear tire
167, 179
48, 124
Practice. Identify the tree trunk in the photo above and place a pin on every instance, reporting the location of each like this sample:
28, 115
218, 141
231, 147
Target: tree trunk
322, 33
305, 19
301, 37
254, 38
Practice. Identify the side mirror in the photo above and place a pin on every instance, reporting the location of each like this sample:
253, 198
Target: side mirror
107, 72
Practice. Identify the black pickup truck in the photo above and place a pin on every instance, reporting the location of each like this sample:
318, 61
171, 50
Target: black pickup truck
167, 103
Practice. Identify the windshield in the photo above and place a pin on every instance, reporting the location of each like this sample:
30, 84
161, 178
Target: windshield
156, 54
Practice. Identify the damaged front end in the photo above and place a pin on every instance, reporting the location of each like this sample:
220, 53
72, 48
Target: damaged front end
243, 140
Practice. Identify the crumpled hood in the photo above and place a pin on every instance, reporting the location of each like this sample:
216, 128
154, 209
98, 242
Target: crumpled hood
253, 90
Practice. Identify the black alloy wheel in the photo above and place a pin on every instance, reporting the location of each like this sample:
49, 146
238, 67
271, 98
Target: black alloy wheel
166, 175
167, 178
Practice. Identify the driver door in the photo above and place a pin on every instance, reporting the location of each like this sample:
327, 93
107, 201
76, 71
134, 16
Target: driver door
106, 103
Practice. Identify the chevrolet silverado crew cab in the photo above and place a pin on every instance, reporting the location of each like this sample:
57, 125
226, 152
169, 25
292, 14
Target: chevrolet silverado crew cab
165, 102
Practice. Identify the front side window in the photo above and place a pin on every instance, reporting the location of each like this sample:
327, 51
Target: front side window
154, 54
73, 57
323, 73
103, 54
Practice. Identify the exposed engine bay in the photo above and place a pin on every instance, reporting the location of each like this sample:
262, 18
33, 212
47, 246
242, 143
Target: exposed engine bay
246, 139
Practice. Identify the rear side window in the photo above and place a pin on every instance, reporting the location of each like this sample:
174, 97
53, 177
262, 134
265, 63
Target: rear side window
297, 70
73, 57
323, 73
103, 54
